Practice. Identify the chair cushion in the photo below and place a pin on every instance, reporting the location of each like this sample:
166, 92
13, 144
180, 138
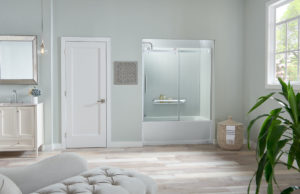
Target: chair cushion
104, 181
7, 186
56, 169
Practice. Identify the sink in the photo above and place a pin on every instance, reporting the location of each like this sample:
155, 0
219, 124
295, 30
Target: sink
16, 104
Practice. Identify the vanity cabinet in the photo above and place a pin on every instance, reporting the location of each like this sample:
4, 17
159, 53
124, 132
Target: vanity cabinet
21, 127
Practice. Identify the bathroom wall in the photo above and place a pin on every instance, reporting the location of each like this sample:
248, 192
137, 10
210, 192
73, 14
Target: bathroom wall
18, 17
254, 68
127, 23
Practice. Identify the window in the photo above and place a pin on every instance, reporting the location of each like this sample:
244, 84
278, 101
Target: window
283, 26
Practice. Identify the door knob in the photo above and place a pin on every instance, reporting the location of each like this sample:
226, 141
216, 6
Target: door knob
101, 101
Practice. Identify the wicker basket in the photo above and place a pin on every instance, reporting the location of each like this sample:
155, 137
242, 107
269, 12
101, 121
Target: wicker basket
230, 134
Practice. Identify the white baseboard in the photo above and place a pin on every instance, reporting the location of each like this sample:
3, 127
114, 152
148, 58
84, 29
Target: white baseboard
58, 146
179, 142
51, 147
121, 144
46, 147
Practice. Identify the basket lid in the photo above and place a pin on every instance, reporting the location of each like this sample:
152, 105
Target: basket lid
230, 122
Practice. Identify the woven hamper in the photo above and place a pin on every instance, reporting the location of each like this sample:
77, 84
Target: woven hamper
230, 134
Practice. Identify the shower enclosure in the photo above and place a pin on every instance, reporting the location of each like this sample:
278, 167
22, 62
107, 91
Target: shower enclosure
177, 83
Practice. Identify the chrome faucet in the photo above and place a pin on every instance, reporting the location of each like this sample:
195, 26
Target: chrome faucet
15, 96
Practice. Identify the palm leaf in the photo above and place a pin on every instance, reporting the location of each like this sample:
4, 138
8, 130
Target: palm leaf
297, 154
286, 121
281, 102
298, 100
261, 100
275, 132
286, 107
270, 187
268, 171
249, 185
289, 190
283, 88
293, 104
262, 137
296, 129
281, 145
250, 126
291, 156
259, 172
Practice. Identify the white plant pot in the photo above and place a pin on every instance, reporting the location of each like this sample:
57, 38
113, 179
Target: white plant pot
35, 100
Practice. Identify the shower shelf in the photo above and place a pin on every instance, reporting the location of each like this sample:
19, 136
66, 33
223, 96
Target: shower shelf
173, 101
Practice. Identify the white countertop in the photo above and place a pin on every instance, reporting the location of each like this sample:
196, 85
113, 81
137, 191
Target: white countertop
17, 104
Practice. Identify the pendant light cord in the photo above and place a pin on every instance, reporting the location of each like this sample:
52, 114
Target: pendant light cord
42, 17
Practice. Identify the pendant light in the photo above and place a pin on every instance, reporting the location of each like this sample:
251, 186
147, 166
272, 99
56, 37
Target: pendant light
42, 50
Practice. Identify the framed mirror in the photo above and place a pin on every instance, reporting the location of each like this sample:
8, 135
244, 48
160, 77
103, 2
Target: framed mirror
18, 60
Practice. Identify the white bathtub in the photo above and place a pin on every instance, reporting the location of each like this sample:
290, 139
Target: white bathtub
165, 131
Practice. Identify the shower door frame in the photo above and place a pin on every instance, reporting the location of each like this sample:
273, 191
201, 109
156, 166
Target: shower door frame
212, 104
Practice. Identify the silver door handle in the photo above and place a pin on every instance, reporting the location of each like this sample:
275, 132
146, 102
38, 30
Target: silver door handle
101, 101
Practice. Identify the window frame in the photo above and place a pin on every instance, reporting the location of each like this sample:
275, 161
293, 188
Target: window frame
270, 72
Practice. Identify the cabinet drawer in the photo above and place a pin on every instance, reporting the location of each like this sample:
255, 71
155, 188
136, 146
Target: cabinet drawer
26, 142
15, 144
21, 127
26, 120
8, 122
8, 142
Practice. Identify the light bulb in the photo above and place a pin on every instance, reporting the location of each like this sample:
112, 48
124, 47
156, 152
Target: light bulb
42, 48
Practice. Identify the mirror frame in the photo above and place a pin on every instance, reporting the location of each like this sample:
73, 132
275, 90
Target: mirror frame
34, 80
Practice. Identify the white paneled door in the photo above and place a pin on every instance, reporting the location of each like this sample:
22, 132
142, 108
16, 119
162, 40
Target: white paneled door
85, 103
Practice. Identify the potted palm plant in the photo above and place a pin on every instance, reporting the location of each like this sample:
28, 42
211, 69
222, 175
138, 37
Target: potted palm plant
280, 130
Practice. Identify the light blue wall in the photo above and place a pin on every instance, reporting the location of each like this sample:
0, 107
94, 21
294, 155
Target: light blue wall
127, 23
254, 68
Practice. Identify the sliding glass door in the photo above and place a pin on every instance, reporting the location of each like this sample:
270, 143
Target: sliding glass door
177, 84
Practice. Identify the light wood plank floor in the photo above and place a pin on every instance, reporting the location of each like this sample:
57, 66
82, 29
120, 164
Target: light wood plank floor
182, 169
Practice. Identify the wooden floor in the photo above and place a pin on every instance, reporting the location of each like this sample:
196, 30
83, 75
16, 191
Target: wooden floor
183, 169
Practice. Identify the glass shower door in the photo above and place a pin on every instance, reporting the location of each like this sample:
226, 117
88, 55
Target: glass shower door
189, 61
195, 83
161, 85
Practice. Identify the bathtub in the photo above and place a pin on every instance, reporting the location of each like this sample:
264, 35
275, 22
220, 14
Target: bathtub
168, 130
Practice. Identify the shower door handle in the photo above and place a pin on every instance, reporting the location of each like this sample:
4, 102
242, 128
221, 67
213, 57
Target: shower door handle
145, 83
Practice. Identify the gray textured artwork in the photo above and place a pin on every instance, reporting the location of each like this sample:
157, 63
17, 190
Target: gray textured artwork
125, 73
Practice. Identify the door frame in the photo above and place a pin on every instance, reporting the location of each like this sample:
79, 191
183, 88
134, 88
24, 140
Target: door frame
64, 40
